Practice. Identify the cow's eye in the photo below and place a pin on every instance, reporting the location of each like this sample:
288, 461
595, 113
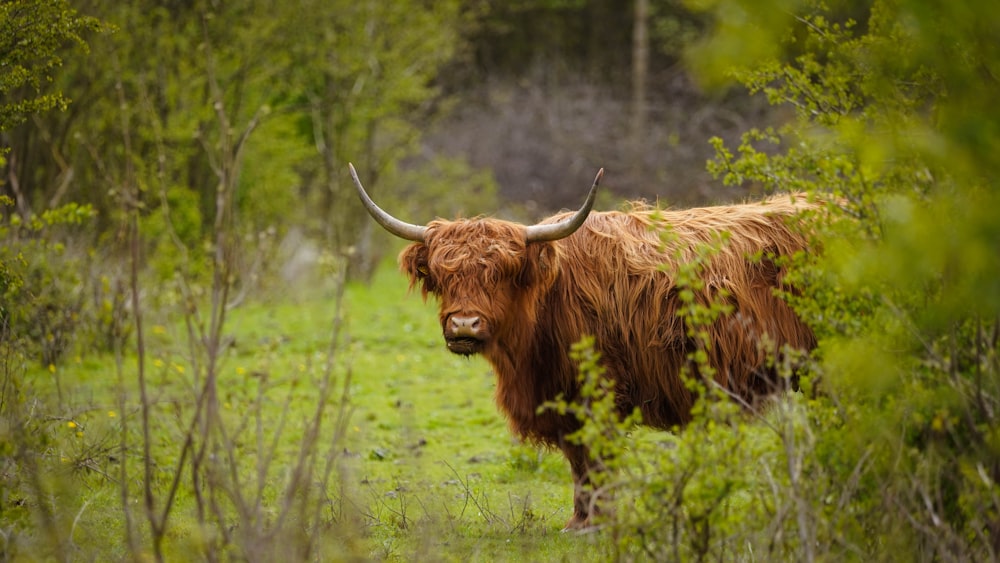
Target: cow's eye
423, 270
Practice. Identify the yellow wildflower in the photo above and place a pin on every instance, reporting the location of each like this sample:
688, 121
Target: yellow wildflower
938, 423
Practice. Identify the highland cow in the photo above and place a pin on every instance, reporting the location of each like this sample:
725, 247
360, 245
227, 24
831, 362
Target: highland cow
522, 295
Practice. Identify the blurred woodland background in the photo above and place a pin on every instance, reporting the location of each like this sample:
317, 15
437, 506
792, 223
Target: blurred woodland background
446, 108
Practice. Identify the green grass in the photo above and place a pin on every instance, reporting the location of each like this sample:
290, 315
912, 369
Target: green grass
427, 468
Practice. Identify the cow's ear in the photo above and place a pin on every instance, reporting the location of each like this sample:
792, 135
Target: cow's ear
413, 262
541, 264
547, 258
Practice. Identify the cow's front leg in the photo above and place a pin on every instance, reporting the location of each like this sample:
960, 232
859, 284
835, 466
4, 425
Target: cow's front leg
585, 505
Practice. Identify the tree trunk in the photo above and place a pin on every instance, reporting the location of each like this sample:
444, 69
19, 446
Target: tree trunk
640, 71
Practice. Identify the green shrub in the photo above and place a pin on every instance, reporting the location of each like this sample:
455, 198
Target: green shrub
904, 298
43, 267
892, 451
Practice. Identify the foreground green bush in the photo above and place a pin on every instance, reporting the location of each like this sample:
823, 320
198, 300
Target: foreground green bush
891, 452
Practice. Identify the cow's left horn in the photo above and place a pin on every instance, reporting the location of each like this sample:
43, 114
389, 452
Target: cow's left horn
399, 228
563, 229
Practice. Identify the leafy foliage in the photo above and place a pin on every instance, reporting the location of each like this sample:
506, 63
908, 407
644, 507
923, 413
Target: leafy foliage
896, 456
32, 35
44, 305
876, 126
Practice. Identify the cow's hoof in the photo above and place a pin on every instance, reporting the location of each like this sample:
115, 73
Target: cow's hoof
579, 525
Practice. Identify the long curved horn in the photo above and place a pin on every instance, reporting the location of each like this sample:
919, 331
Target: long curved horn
399, 228
562, 229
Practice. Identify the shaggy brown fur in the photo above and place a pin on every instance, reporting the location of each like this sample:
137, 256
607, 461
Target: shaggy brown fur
614, 279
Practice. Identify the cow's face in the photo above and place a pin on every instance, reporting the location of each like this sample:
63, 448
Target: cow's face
486, 277
488, 274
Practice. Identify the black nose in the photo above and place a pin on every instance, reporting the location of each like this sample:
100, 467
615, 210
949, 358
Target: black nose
464, 327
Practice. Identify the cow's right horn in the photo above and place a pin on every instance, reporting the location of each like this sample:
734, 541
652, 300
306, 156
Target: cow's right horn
563, 229
399, 228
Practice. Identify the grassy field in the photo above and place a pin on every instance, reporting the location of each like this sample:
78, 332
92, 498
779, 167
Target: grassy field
425, 468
